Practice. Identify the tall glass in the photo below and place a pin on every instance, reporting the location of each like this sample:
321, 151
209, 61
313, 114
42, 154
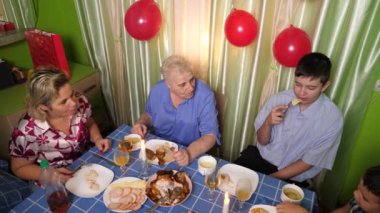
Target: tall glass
121, 158
242, 192
212, 181
56, 195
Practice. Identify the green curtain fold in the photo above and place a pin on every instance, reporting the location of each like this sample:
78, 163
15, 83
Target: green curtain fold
20, 12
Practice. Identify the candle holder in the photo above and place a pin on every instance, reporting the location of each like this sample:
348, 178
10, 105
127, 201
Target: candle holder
144, 172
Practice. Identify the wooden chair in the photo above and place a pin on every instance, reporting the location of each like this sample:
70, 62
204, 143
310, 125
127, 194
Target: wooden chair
221, 106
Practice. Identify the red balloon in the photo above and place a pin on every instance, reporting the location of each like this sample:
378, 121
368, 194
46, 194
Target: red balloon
143, 20
290, 45
240, 28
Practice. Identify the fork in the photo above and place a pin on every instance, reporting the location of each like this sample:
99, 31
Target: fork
160, 201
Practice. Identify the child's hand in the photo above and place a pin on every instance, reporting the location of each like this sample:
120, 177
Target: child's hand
277, 114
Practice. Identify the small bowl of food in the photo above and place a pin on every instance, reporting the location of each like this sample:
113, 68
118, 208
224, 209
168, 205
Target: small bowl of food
132, 142
292, 193
206, 165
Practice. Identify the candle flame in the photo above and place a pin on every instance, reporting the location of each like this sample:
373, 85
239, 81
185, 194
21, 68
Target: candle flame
226, 197
142, 144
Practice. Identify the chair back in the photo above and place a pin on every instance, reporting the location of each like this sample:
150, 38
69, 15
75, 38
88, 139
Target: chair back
221, 106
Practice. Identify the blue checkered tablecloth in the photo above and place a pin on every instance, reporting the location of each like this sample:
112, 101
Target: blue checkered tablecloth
268, 191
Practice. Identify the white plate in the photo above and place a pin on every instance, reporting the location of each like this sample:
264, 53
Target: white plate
137, 145
235, 173
79, 186
106, 198
154, 144
270, 209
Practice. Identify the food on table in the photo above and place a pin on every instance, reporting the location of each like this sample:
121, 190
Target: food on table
164, 154
131, 184
132, 140
91, 177
174, 185
292, 194
125, 145
295, 101
258, 210
226, 182
127, 195
150, 154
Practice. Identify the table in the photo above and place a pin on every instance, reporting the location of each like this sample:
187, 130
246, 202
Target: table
268, 190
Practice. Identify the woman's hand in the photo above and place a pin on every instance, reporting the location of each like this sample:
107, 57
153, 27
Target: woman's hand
103, 144
63, 174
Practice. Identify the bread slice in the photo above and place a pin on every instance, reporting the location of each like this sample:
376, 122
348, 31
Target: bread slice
295, 101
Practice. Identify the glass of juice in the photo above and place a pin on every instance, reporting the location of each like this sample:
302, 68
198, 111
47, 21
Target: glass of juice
212, 181
121, 158
243, 192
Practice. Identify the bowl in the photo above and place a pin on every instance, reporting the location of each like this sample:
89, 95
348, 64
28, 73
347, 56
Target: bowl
134, 141
292, 193
206, 165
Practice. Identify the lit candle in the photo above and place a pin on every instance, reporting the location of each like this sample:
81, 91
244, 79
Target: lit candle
226, 204
142, 151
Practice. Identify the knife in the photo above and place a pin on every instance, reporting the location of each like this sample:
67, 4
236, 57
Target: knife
104, 158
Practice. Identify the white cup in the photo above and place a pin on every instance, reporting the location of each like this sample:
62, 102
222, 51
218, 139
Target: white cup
206, 165
292, 193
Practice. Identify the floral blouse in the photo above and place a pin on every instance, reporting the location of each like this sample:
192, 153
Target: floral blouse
35, 139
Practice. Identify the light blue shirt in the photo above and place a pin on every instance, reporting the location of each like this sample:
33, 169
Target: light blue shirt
192, 119
312, 135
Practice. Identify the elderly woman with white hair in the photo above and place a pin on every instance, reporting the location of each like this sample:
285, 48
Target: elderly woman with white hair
181, 109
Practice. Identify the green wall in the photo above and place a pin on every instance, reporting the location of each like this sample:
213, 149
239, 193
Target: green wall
17, 54
57, 16
366, 151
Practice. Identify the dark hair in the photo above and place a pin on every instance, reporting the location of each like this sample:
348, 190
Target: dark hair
371, 180
315, 65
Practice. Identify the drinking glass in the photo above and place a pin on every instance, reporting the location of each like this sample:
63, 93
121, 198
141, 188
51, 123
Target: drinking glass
121, 158
242, 192
212, 181
56, 195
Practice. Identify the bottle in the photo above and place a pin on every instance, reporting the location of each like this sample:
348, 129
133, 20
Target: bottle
55, 192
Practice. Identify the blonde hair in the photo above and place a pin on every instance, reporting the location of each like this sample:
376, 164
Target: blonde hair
43, 88
175, 63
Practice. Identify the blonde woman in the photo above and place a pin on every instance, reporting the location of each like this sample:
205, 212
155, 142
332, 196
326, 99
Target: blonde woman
56, 127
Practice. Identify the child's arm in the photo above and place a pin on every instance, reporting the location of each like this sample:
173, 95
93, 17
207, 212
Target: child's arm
287, 207
344, 209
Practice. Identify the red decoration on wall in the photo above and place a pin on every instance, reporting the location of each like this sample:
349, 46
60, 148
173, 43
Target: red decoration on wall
290, 45
240, 28
143, 20
46, 49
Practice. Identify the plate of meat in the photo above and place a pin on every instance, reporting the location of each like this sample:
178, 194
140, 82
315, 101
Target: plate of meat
125, 194
169, 187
